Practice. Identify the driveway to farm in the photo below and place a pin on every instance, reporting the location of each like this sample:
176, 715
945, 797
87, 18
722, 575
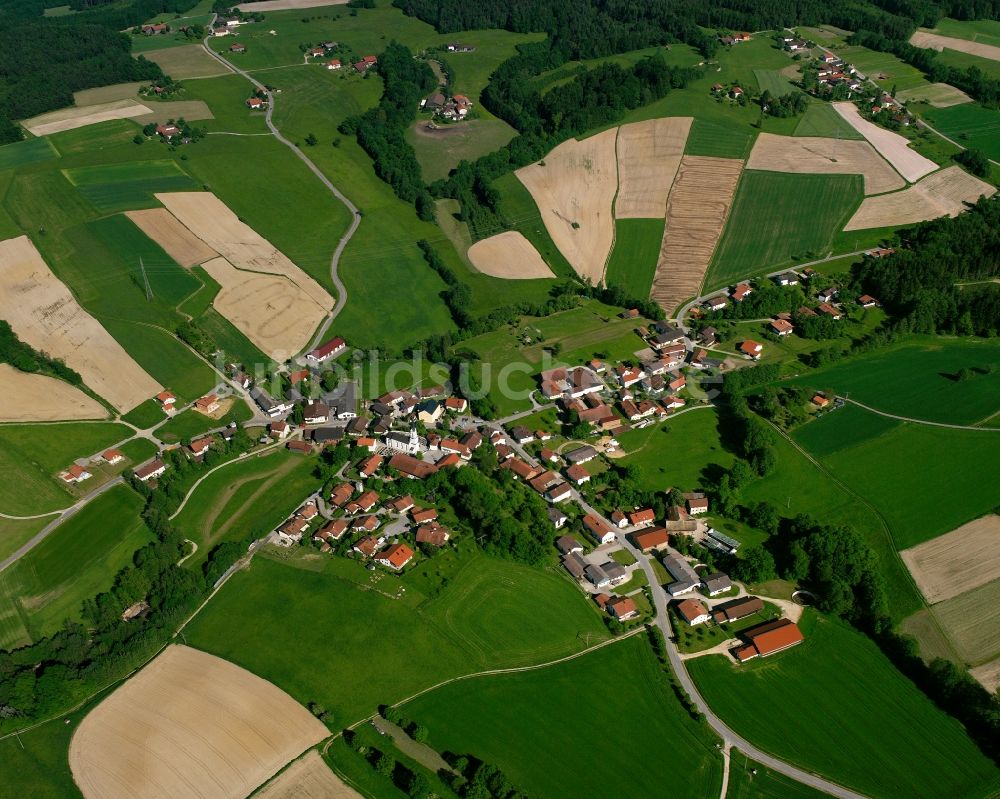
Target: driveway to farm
355, 213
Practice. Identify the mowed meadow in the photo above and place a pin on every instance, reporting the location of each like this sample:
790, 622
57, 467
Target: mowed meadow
822, 700
315, 616
533, 719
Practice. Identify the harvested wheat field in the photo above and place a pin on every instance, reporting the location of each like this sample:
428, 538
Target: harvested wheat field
696, 215
105, 94
189, 61
988, 675
824, 156
175, 239
307, 778
577, 187
958, 561
189, 724
44, 314
939, 95
933, 41
210, 220
508, 255
30, 397
270, 310
648, 156
71, 118
972, 622
891, 146
942, 194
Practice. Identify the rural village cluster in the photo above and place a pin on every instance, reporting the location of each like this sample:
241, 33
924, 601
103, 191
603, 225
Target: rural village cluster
683, 290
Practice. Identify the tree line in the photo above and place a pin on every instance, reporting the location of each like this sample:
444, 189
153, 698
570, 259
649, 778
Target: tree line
25, 358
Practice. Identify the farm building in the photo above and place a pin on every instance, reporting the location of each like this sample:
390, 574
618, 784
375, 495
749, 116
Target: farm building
622, 608
716, 583
685, 578
152, 469
737, 609
324, 352
693, 612
598, 529
656, 538
769, 638
557, 517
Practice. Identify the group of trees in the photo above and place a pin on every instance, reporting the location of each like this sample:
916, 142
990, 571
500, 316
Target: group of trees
919, 284
786, 105
381, 130
25, 358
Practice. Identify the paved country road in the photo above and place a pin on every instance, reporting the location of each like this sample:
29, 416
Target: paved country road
355, 213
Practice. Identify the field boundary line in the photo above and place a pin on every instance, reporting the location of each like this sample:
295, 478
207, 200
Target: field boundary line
493, 673
924, 421
885, 528
237, 459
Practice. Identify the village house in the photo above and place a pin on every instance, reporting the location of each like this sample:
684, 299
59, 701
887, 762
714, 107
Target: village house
787, 279
423, 515
168, 131
521, 469
151, 470
828, 310
333, 530
433, 534
369, 444
454, 47
473, 440
366, 63
255, 104
629, 375
685, 578
716, 303
693, 611
716, 583
364, 503
411, 467
300, 447
367, 546
769, 638
368, 524
598, 529
199, 446
112, 456
395, 557
75, 474
238, 48
456, 404
696, 505
334, 63
290, 532
569, 383
167, 401
324, 352
644, 517
867, 301
623, 608
737, 609
567, 544
575, 565
371, 465
820, 401
595, 575
577, 475
781, 327
207, 404
340, 494
708, 336
742, 291
429, 412
270, 406
649, 540
581, 455
736, 92
315, 413
402, 504
557, 517
752, 349
157, 29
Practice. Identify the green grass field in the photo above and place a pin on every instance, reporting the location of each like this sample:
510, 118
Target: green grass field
919, 379
76, 562
14, 532
169, 282
718, 140
190, 423
970, 620
773, 81
960, 60
884, 68
842, 429
124, 186
678, 453
26, 152
36, 763
777, 218
970, 124
921, 503
820, 119
633, 260
536, 718
817, 693
439, 151
249, 496
751, 780
226, 95
32, 454
985, 31
303, 607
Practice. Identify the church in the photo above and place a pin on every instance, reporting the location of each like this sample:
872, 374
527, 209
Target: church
409, 443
